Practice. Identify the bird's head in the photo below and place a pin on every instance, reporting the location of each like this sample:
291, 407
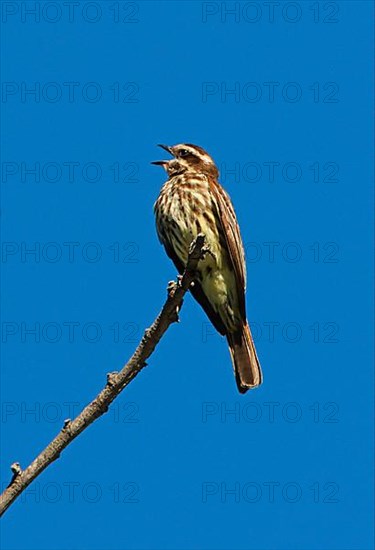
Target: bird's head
187, 157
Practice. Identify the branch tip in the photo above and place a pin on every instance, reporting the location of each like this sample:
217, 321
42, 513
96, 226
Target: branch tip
111, 378
16, 469
67, 421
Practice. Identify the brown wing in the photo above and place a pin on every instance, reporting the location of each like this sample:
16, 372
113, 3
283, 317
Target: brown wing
232, 239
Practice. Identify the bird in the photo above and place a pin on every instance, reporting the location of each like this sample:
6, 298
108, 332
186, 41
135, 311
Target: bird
192, 202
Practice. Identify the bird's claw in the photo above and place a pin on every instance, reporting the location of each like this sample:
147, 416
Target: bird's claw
207, 250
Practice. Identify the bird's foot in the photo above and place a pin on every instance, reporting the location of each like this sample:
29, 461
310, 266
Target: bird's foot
207, 250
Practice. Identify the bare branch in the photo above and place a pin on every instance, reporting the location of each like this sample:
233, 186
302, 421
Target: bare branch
116, 382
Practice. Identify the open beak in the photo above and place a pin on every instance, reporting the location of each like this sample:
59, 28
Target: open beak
166, 148
163, 162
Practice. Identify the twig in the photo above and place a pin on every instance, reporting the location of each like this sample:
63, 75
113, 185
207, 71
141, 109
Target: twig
116, 382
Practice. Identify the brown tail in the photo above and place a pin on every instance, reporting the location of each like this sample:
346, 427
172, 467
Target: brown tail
245, 360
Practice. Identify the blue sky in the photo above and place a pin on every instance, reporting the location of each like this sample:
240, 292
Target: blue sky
282, 100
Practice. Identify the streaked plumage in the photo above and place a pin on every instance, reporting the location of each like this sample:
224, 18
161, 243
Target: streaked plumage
192, 202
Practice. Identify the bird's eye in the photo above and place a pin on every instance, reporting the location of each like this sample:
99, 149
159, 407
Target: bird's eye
184, 153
